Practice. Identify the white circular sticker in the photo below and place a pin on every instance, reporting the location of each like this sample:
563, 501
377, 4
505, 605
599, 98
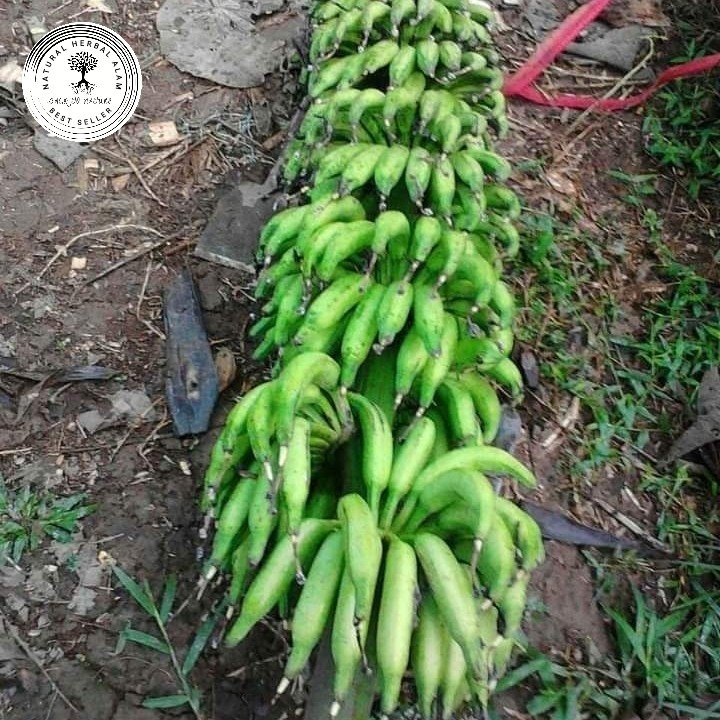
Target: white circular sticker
82, 82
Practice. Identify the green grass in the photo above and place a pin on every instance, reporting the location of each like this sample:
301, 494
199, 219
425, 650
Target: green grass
159, 610
28, 516
682, 125
635, 365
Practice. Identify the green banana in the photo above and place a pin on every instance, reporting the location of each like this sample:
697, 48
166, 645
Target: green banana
276, 575
377, 448
395, 620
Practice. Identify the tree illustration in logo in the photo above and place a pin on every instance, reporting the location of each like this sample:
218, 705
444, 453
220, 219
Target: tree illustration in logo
83, 62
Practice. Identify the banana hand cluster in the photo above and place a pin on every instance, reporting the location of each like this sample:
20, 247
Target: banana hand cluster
353, 490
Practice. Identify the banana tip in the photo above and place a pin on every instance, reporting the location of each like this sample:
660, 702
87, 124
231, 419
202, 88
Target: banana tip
282, 687
335, 709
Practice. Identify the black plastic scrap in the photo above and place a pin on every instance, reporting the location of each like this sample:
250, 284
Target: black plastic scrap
191, 387
556, 526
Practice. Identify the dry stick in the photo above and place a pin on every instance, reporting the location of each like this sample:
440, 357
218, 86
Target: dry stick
141, 295
73, 240
28, 651
137, 254
617, 86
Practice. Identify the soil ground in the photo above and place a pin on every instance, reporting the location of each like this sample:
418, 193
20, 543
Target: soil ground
143, 480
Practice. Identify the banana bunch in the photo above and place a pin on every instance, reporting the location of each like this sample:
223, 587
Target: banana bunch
354, 490
420, 522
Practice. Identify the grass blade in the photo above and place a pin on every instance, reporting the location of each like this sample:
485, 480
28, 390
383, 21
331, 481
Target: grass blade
198, 643
165, 702
142, 638
141, 598
168, 597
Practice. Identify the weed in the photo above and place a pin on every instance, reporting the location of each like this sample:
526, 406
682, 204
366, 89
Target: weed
160, 614
682, 126
27, 516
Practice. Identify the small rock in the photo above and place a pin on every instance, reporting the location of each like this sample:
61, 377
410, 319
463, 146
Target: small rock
511, 430
90, 421
62, 153
226, 367
132, 405
78, 263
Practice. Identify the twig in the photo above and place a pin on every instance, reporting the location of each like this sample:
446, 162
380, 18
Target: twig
52, 705
141, 294
147, 188
63, 250
137, 254
617, 86
31, 655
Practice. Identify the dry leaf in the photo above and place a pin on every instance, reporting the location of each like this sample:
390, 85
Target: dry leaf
99, 5
640, 12
225, 366
119, 182
163, 133
10, 73
560, 183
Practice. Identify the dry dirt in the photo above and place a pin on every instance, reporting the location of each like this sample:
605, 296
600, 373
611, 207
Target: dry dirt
146, 517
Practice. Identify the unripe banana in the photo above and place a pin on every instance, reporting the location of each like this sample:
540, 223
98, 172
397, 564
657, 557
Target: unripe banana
485, 459
402, 98
262, 518
288, 316
310, 368
512, 604
377, 448
363, 552
314, 605
380, 55
395, 620
393, 311
436, 368
333, 303
506, 373
427, 56
402, 66
442, 188
409, 458
344, 644
496, 562
417, 174
450, 55
369, 99
453, 676
390, 169
295, 486
276, 575
457, 407
428, 654
361, 170
261, 426
334, 162
357, 236
426, 235
400, 10
428, 316
525, 531
486, 401
452, 592
231, 521
411, 360
460, 485
359, 335
282, 228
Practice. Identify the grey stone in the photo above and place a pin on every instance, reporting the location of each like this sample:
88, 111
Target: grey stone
62, 153
219, 40
617, 47
230, 237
